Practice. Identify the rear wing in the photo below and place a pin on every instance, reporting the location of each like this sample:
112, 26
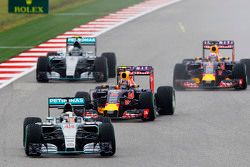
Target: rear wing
138, 70
59, 102
222, 44
81, 40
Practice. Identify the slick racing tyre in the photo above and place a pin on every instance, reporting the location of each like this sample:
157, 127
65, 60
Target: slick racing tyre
107, 139
111, 58
247, 63
146, 100
27, 121
101, 69
41, 69
165, 100
180, 73
33, 140
239, 72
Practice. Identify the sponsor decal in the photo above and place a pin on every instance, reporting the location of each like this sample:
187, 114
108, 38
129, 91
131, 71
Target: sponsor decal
61, 101
85, 40
69, 126
29, 6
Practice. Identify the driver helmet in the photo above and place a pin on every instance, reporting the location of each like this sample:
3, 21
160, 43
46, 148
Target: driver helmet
77, 49
67, 108
77, 45
125, 80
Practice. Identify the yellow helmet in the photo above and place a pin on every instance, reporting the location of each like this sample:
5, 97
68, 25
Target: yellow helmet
214, 49
125, 75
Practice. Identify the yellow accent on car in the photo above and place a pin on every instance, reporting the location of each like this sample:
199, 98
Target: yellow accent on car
100, 110
111, 107
124, 75
196, 80
208, 77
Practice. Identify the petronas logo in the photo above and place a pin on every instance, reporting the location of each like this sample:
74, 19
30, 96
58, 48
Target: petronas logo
28, 2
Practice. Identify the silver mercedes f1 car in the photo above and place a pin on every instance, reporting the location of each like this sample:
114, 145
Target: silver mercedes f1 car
78, 62
68, 133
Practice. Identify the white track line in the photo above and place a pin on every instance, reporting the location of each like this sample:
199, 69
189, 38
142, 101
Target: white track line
33, 54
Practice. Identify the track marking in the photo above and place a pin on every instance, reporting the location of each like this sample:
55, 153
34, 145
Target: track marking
183, 29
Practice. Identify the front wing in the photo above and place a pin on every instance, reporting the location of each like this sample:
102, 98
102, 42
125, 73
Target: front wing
190, 84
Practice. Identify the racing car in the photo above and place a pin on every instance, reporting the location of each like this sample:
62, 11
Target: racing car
68, 133
212, 71
78, 62
127, 100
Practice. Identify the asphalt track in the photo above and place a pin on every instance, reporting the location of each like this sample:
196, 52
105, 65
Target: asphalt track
210, 128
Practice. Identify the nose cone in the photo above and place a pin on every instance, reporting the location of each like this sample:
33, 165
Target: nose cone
208, 77
111, 107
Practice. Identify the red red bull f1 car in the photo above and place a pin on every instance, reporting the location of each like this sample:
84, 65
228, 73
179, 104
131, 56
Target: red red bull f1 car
127, 100
212, 70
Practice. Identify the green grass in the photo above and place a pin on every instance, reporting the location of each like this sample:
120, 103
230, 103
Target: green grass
8, 21
42, 28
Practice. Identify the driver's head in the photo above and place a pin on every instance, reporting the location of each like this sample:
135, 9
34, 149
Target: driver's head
77, 45
214, 49
67, 108
124, 79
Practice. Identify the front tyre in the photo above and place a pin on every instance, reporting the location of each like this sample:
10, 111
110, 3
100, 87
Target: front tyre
247, 63
41, 69
101, 69
111, 59
107, 139
33, 140
27, 121
146, 100
180, 73
165, 100
239, 73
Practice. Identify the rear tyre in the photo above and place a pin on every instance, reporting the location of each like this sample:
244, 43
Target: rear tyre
247, 63
111, 59
107, 139
239, 72
146, 100
33, 140
180, 73
41, 69
165, 100
101, 69
27, 121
